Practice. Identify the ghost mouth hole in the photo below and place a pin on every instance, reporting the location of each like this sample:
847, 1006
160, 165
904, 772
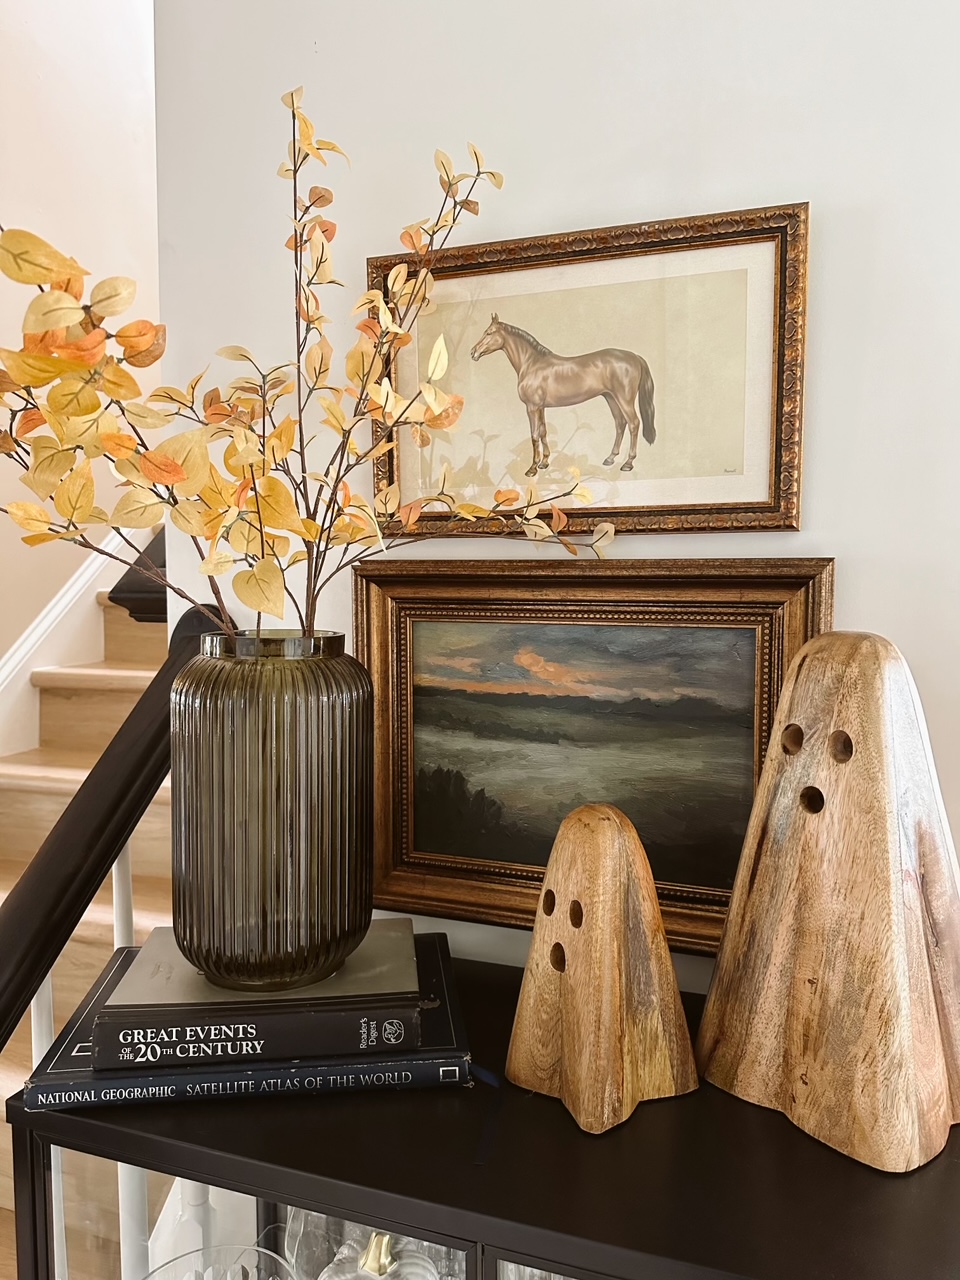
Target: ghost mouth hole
791, 739
841, 746
812, 799
549, 902
558, 957
576, 914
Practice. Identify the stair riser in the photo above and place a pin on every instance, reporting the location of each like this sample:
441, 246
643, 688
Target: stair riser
138, 643
83, 718
28, 816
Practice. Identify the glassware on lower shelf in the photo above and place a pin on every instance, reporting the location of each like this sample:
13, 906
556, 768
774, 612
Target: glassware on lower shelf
224, 1262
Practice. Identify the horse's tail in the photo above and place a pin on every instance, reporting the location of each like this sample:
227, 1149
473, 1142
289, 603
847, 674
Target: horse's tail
645, 402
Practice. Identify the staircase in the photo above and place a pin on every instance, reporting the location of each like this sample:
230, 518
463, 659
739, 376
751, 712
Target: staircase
80, 710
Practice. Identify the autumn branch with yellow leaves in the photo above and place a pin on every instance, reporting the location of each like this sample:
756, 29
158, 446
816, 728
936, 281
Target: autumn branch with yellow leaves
240, 477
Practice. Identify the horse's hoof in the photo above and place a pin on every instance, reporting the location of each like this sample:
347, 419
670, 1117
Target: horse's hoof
608, 462
543, 465
531, 471
627, 466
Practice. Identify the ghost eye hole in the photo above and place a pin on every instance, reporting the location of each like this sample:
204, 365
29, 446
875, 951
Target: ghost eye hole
576, 914
791, 740
549, 902
841, 746
558, 957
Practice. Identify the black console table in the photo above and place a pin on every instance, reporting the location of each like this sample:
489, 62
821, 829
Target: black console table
689, 1188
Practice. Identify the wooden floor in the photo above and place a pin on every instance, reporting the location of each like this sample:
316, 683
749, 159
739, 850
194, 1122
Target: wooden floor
34, 788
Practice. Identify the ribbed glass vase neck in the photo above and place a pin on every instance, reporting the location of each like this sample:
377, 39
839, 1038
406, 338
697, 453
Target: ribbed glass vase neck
273, 644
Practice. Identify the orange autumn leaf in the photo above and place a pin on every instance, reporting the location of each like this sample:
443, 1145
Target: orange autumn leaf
447, 416
119, 444
158, 468
7, 443
400, 340
44, 343
243, 492
409, 514
506, 497
28, 421
370, 328
324, 228
69, 284
7, 383
558, 518
88, 350
143, 359
136, 336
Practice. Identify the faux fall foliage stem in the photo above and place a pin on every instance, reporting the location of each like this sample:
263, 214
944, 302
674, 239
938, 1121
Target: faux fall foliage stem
238, 480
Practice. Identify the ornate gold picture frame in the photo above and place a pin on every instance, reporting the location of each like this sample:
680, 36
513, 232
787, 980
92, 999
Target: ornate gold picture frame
507, 693
661, 363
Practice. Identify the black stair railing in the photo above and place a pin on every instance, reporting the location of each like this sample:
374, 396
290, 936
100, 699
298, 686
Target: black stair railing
44, 907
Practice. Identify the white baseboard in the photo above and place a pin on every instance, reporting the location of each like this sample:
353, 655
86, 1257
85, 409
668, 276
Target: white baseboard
68, 630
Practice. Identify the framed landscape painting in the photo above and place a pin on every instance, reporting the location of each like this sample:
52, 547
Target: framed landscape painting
661, 363
509, 693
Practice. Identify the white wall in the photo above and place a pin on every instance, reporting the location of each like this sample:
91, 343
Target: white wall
78, 159
619, 111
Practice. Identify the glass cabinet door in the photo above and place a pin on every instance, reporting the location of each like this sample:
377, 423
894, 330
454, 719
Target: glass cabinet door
320, 1247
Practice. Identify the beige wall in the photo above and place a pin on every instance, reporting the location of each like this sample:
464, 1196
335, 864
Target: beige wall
78, 166
620, 112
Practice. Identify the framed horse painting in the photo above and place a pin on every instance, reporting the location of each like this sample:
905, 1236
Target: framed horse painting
507, 693
660, 363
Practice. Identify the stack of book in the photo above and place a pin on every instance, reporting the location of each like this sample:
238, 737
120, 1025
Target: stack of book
153, 1028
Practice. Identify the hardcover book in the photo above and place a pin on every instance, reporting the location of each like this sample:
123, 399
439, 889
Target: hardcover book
66, 1076
163, 1013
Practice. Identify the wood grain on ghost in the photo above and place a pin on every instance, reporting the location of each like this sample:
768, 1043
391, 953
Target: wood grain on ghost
836, 995
599, 1023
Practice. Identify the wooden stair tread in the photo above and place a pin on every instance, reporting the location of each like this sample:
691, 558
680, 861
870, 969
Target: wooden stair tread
54, 769
106, 676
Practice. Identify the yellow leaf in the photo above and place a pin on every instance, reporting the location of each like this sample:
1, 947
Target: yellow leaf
311, 530
172, 396
437, 364
316, 362
397, 277
51, 309
470, 511
112, 296
29, 370
275, 505
583, 493
437, 401
191, 451
27, 259
444, 165
536, 530
380, 449
261, 588
476, 156
73, 397
217, 562
74, 495
188, 516
145, 418
603, 535
292, 99
218, 491
245, 536
335, 417
280, 441
297, 558
138, 509
48, 465
363, 363
236, 353
496, 179
388, 500
84, 431
118, 383
29, 516
37, 539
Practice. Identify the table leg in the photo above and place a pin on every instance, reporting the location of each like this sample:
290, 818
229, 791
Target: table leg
31, 1191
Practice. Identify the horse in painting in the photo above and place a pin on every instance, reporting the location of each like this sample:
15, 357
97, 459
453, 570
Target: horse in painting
548, 381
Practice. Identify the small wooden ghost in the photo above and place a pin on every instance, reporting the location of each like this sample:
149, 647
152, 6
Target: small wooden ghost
836, 995
599, 1024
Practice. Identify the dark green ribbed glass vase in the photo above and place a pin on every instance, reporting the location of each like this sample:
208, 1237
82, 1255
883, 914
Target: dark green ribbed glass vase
272, 780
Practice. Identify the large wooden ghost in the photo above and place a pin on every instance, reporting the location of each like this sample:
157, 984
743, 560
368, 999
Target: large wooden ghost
836, 994
599, 1023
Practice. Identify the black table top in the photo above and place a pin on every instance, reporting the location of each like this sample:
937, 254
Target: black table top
699, 1186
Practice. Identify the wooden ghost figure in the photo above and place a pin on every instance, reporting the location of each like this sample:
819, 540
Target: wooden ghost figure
599, 1024
836, 994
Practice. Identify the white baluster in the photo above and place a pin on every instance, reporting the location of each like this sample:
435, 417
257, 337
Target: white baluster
131, 1180
41, 1037
195, 1223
